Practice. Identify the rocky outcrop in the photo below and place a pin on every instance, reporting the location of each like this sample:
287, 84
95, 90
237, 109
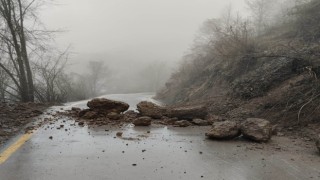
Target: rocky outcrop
256, 129
142, 121
224, 130
106, 106
186, 113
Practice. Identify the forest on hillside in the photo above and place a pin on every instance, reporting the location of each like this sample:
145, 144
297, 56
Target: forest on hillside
266, 64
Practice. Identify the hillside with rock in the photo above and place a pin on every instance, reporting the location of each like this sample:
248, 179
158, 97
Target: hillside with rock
238, 73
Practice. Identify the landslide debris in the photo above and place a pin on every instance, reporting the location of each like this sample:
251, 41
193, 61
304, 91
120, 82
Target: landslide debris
15, 116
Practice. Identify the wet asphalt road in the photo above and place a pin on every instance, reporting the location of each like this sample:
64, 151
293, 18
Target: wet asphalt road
169, 153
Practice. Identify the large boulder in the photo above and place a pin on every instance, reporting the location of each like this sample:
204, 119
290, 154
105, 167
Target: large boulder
187, 113
224, 130
150, 109
142, 121
256, 129
318, 143
103, 105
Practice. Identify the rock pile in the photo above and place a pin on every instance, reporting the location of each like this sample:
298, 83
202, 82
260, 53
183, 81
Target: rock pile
255, 129
103, 111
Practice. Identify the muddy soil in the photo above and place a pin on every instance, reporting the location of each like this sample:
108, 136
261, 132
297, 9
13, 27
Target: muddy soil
15, 117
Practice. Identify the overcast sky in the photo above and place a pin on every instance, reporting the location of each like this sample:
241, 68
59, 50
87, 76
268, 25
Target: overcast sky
131, 30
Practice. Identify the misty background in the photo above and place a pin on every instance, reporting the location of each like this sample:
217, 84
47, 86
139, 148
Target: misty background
140, 42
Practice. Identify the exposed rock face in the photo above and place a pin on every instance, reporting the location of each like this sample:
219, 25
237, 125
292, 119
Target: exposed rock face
150, 109
318, 143
224, 130
107, 106
201, 122
256, 129
182, 123
142, 121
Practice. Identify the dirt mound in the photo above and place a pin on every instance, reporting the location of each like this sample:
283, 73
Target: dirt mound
14, 117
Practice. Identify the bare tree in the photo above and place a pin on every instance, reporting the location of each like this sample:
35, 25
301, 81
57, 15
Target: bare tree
15, 42
51, 81
261, 11
96, 78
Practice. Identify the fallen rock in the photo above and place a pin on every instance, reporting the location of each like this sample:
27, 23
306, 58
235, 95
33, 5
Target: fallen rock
119, 134
142, 121
114, 116
201, 122
169, 121
256, 129
224, 130
318, 143
106, 105
83, 112
75, 109
150, 109
182, 123
90, 115
187, 113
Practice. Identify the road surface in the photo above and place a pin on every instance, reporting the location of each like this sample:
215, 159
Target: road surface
168, 153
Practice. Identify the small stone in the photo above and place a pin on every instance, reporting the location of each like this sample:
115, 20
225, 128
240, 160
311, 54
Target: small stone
119, 134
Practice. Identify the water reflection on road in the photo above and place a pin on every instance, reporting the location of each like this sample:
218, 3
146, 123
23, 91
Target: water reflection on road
144, 153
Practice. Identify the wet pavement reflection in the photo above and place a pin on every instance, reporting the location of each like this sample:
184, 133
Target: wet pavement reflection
143, 153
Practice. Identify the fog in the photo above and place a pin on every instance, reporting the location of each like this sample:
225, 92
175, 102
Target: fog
130, 36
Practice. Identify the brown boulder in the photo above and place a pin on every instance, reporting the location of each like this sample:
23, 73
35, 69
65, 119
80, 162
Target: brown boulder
142, 121
83, 112
224, 130
114, 116
150, 109
256, 129
75, 109
106, 105
169, 121
90, 115
201, 122
188, 113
